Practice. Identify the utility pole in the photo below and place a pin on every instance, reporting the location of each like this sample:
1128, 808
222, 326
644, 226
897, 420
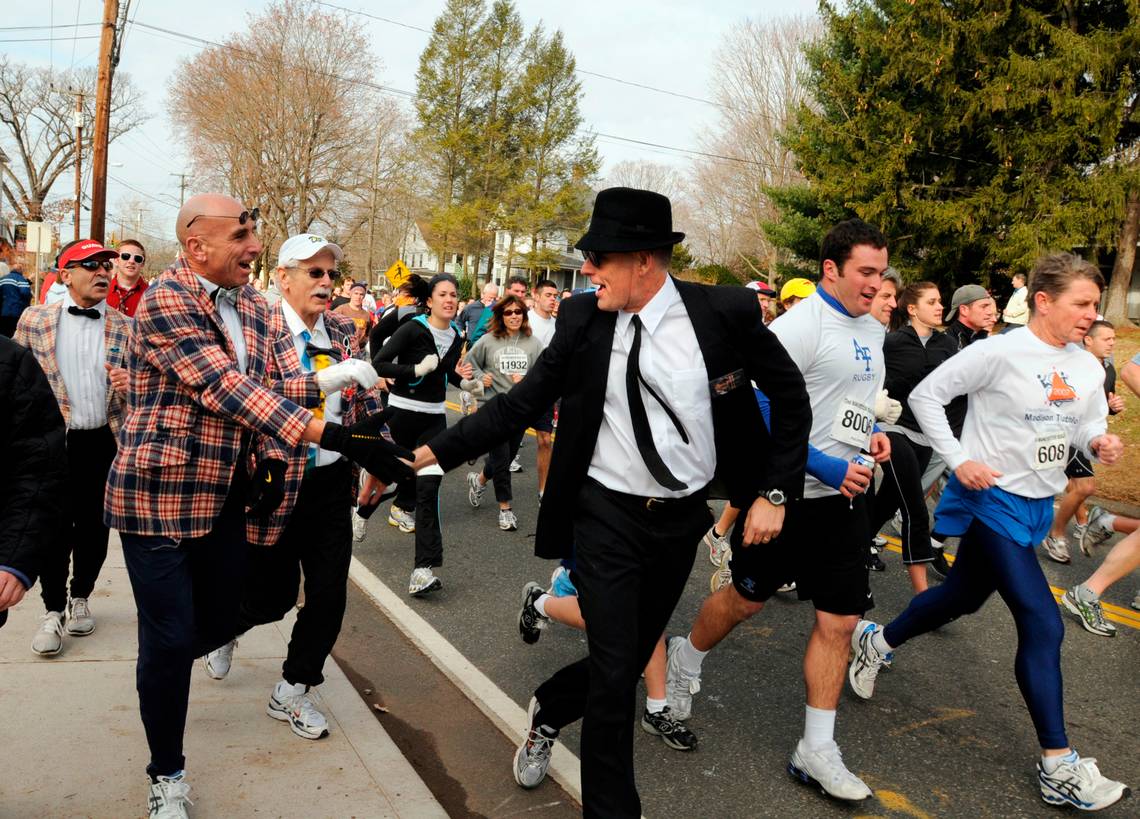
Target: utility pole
108, 59
77, 121
181, 188
372, 205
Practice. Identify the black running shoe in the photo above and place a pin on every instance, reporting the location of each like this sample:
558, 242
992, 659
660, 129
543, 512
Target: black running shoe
672, 732
939, 565
875, 563
531, 623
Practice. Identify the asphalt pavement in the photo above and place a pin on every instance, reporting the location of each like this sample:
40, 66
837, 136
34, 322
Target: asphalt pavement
946, 735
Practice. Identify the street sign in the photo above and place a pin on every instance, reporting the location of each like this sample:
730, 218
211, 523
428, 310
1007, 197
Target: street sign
39, 237
397, 274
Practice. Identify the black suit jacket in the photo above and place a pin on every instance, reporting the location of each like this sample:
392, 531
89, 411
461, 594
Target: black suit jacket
737, 349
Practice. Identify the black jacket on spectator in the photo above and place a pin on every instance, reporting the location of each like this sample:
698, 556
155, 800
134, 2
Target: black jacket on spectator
32, 449
909, 361
963, 337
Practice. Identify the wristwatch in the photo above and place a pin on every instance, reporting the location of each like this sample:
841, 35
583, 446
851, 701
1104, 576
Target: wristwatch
776, 497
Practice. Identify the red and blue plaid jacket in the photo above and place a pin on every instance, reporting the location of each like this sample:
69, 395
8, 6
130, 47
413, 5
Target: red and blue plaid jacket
191, 409
285, 367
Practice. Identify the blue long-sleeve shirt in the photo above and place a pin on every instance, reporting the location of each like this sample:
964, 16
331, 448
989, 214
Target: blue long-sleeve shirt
826, 468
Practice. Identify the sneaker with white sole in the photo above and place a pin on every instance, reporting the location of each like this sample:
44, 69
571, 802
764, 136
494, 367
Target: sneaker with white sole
404, 521
721, 576
359, 527
1080, 784
1097, 530
423, 581
787, 588
867, 662
533, 757
531, 622
516, 466
672, 731
169, 796
824, 768
219, 660
80, 621
475, 490
507, 520
49, 638
1056, 549
680, 685
718, 546
1135, 604
292, 704
1088, 612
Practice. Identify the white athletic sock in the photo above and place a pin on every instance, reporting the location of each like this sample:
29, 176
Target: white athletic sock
1087, 594
1107, 521
880, 642
655, 706
819, 727
1052, 763
690, 656
540, 603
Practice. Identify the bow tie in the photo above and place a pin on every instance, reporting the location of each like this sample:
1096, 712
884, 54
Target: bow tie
312, 351
230, 294
90, 312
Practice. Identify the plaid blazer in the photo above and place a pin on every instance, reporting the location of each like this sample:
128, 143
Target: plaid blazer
37, 331
191, 408
284, 367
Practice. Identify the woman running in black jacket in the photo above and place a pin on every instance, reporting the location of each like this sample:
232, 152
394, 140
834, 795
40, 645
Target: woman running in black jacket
420, 358
911, 352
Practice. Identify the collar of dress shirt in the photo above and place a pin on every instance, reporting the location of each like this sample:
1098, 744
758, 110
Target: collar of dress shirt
297, 325
207, 285
653, 311
70, 302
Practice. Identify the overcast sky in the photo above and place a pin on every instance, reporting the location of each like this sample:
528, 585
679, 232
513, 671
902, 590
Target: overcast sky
667, 44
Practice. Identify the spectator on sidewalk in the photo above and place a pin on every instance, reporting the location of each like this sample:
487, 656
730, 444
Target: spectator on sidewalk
15, 296
32, 484
1017, 308
82, 348
128, 285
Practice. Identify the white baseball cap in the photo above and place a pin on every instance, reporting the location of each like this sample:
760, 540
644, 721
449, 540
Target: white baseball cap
305, 246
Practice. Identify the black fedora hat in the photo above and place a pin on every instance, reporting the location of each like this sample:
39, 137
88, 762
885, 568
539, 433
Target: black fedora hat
626, 219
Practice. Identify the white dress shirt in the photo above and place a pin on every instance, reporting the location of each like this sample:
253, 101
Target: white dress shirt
80, 351
671, 361
232, 322
318, 337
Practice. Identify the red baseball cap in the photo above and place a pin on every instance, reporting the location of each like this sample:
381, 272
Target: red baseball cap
84, 250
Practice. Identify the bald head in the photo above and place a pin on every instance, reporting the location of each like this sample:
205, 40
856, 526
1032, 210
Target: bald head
218, 245
199, 208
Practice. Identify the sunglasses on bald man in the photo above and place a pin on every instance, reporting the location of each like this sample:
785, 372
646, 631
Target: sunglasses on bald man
243, 217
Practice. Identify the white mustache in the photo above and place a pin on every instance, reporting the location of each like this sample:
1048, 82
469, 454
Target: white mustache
322, 292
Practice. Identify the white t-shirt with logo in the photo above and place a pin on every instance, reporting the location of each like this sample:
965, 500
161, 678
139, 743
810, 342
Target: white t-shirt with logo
1028, 403
841, 360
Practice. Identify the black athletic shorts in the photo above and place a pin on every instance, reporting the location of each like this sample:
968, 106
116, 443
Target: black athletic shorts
1078, 465
822, 547
545, 423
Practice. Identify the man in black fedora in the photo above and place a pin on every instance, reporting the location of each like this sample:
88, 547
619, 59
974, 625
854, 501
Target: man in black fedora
654, 376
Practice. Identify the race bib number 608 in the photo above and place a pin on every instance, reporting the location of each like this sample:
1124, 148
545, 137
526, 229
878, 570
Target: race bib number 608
1050, 449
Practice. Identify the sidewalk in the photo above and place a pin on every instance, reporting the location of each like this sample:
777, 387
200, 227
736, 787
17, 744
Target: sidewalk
73, 744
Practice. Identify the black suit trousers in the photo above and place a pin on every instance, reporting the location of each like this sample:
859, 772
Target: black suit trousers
631, 564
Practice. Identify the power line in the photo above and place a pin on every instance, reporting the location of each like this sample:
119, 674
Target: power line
141, 192
49, 39
40, 28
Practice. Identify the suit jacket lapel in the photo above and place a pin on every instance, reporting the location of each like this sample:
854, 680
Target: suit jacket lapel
50, 360
719, 358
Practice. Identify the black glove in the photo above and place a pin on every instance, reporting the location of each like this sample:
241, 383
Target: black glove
266, 488
363, 443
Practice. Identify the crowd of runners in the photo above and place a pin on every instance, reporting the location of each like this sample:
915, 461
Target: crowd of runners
205, 419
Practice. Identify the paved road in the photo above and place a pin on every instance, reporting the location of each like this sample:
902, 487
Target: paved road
946, 735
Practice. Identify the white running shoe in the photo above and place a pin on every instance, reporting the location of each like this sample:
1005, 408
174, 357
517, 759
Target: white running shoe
825, 768
292, 704
1079, 784
722, 575
49, 638
359, 527
718, 546
405, 521
466, 402
1096, 531
475, 490
787, 588
680, 685
533, 756
423, 581
219, 660
507, 520
1057, 549
515, 465
867, 663
169, 797
80, 621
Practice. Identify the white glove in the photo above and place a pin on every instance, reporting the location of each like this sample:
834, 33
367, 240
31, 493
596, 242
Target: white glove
345, 374
426, 365
887, 409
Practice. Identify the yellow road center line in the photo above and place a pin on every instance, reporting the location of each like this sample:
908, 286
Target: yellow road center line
1111, 612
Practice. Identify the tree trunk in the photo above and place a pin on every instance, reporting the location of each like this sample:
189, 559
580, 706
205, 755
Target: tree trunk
1116, 300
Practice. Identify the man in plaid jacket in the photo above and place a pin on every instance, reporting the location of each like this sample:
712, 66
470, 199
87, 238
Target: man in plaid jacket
81, 346
311, 530
178, 489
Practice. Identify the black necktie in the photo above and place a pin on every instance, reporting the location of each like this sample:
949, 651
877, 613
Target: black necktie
90, 312
641, 432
